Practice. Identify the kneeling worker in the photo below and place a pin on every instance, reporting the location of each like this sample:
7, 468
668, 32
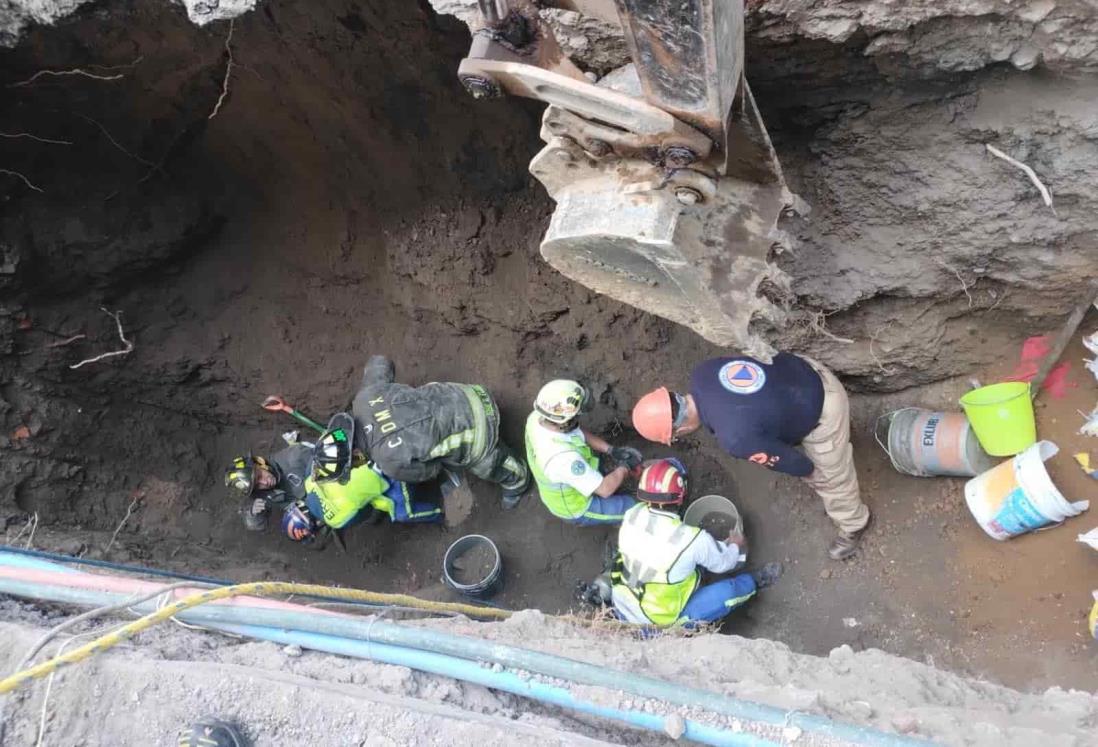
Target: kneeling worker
761, 412
345, 490
266, 483
562, 459
412, 433
655, 579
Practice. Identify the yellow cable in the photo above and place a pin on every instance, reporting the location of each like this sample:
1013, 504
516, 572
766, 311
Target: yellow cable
258, 589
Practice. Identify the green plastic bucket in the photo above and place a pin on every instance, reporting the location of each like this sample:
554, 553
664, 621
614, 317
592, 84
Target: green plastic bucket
1002, 417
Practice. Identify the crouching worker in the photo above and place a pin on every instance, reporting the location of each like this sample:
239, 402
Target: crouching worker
345, 490
562, 458
412, 433
267, 483
656, 579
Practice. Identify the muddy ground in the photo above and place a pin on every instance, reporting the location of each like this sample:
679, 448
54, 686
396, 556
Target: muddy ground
346, 199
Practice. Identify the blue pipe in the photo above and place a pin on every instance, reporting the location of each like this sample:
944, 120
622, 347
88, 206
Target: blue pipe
58, 557
482, 651
449, 666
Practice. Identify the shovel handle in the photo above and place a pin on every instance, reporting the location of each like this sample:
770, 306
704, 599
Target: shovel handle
274, 403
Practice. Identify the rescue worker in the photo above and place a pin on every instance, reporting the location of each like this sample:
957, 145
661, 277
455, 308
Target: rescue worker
562, 458
655, 579
345, 489
760, 412
270, 482
412, 433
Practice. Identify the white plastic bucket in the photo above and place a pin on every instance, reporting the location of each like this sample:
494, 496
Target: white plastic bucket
1018, 496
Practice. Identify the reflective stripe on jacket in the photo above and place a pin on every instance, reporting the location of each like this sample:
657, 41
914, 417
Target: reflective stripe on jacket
650, 542
339, 503
542, 444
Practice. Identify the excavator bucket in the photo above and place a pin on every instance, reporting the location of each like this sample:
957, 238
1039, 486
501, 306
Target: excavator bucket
667, 187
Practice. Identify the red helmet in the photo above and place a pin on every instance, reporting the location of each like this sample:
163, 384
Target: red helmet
663, 481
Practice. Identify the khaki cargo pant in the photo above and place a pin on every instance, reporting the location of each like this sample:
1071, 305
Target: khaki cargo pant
828, 447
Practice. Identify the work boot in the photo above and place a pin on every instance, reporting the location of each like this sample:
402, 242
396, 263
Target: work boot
846, 544
511, 498
767, 575
211, 732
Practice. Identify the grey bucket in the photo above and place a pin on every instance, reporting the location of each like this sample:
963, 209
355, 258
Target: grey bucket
484, 588
925, 443
708, 504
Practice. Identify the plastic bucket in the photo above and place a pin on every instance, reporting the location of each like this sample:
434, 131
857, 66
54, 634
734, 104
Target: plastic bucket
1018, 496
1002, 416
472, 566
1092, 619
698, 514
925, 443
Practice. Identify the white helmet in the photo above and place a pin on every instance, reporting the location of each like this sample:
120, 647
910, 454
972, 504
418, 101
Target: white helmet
560, 400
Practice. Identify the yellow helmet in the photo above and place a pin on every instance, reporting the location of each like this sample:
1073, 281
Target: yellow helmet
560, 401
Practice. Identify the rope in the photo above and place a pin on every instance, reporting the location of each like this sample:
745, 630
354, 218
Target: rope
259, 589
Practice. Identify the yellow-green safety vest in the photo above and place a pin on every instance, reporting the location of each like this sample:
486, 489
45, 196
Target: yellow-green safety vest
340, 503
543, 444
650, 542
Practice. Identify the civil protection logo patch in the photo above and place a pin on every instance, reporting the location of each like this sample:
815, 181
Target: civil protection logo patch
579, 467
742, 377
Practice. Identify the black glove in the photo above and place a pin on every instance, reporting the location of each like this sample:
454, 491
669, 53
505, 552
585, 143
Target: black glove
626, 456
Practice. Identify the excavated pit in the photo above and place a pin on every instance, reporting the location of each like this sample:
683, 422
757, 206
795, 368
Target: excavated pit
344, 196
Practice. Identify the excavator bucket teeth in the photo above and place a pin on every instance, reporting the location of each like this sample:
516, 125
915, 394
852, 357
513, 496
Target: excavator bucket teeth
679, 244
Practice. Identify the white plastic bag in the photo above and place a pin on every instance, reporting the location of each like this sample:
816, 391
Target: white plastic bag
1090, 342
1090, 538
1090, 428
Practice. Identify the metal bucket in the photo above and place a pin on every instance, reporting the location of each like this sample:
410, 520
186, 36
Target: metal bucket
491, 581
925, 443
697, 512
708, 504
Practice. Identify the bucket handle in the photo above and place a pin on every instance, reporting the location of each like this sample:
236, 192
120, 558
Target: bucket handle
877, 433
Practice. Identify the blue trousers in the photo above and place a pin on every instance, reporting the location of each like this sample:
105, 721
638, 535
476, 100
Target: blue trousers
400, 505
714, 601
602, 511
406, 509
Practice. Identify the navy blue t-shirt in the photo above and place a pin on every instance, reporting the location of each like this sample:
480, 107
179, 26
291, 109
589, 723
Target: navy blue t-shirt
760, 411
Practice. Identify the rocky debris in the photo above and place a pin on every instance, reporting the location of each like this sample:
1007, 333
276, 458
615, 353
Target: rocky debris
17, 15
934, 36
173, 674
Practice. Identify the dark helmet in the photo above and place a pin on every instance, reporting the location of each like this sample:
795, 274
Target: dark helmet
298, 523
332, 455
241, 473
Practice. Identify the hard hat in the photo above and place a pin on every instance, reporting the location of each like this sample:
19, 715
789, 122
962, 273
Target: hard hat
662, 481
332, 453
652, 416
241, 473
560, 400
297, 523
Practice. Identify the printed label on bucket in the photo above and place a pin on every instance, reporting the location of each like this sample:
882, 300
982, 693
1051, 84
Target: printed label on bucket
1017, 515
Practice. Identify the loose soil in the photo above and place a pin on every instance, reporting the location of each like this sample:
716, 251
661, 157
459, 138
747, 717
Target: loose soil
717, 524
349, 198
473, 565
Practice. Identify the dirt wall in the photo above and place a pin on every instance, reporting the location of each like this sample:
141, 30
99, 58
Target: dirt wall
347, 197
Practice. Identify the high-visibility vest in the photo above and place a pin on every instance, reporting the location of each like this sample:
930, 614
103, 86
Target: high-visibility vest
543, 444
650, 542
339, 503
